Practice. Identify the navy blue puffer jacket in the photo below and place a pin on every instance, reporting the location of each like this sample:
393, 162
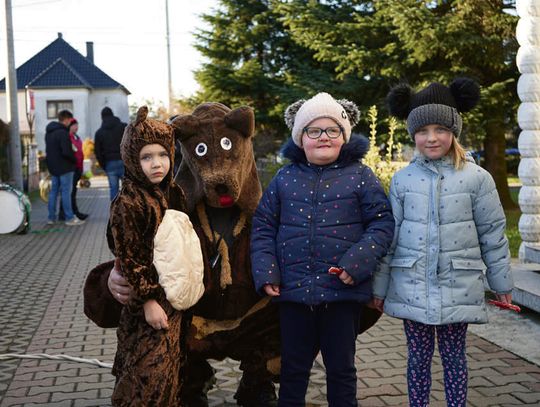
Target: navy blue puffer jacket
313, 217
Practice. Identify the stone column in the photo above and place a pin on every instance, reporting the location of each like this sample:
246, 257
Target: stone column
528, 87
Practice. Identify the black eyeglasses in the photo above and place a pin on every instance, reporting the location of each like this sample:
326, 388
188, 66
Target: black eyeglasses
316, 132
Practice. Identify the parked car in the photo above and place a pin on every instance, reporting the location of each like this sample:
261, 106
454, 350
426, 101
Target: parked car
512, 158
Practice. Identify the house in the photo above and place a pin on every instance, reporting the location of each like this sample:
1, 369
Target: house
59, 77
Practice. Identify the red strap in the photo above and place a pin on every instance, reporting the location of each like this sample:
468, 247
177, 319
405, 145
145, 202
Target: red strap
505, 305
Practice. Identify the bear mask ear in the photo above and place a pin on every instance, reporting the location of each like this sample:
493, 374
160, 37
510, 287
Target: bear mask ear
242, 120
290, 112
185, 126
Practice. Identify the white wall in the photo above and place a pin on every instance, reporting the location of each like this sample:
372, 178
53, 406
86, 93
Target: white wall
116, 99
80, 110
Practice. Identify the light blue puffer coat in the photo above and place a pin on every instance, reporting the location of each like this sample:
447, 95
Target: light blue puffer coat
449, 231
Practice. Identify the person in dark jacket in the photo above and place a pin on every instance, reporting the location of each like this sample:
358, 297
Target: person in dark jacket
107, 148
61, 162
318, 233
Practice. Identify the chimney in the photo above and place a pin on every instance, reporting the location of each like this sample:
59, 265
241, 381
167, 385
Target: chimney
90, 51
59, 35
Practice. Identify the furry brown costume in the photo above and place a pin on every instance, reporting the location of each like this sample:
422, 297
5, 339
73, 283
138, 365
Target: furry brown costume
219, 178
147, 362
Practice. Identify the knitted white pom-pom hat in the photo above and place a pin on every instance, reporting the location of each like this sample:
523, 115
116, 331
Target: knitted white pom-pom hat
301, 113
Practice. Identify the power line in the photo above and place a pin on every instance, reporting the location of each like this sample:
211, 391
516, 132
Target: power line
35, 3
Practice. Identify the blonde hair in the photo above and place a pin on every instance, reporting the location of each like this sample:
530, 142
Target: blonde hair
458, 153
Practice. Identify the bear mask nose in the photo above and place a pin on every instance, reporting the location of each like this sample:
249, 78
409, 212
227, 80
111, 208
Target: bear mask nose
221, 189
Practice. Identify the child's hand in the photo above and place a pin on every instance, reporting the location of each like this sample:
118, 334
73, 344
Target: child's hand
342, 274
271, 290
155, 315
507, 298
377, 304
117, 284
346, 278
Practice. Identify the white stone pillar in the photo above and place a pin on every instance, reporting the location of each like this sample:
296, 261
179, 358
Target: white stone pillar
528, 87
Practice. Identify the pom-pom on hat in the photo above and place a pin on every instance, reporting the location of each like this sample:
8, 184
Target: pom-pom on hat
302, 112
435, 104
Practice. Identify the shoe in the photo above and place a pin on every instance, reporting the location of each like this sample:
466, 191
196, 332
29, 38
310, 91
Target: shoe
199, 400
256, 394
51, 222
74, 222
81, 216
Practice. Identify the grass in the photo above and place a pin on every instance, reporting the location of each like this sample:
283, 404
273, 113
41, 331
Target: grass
512, 232
512, 220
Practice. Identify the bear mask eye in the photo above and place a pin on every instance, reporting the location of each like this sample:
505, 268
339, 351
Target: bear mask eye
201, 149
226, 144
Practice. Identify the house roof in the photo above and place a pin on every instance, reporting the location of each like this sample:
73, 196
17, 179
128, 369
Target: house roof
59, 65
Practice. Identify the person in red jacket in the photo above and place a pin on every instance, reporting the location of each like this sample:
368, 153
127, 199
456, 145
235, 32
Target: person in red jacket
76, 143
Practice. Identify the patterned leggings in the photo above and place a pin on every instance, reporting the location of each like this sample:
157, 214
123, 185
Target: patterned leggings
421, 345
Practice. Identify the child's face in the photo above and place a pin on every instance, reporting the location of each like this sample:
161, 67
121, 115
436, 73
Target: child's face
433, 141
155, 162
322, 150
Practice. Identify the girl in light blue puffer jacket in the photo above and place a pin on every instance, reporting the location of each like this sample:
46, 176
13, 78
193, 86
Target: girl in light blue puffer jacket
449, 231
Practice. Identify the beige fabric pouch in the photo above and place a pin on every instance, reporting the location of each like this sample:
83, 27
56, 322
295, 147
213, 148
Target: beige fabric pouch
178, 260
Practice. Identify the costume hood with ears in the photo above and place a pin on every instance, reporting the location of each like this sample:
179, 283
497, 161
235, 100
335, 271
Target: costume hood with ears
218, 164
141, 132
435, 104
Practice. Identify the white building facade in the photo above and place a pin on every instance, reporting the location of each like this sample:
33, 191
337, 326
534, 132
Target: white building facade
58, 78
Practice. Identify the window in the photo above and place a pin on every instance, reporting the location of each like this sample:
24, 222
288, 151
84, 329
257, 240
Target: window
55, 106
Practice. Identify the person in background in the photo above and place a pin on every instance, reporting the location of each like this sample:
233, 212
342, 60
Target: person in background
449, 231
61, 162
78, 150
107, 148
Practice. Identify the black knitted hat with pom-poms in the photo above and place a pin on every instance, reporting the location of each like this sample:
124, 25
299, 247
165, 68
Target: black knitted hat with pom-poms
435, 104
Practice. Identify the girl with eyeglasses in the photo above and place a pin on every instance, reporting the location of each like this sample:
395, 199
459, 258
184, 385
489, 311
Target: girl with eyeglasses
318, 233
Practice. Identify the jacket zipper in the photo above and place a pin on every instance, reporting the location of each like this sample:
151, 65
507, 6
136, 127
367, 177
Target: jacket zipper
434, 194
426, 275
312, 231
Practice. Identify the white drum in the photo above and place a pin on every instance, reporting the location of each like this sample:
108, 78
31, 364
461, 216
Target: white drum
14, 210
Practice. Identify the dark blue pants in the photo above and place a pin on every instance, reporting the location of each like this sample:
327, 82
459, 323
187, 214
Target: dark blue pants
331, 328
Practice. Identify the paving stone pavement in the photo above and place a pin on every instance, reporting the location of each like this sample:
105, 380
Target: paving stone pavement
42, 274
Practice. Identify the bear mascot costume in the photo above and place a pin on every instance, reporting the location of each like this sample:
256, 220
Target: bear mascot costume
219, 179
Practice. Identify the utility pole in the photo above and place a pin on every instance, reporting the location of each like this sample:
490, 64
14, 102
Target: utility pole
169, 57
14, 157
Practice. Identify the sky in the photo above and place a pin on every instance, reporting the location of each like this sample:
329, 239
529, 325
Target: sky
129, 39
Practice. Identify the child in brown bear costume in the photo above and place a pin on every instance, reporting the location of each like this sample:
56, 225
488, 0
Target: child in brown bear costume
222, 189
150, 333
